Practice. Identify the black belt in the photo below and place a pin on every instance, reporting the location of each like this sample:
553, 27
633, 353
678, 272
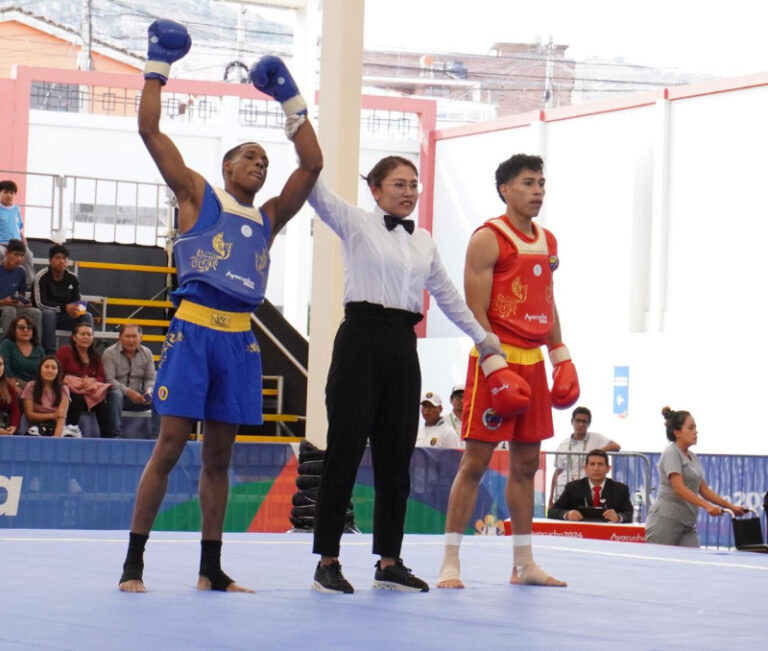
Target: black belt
372, 311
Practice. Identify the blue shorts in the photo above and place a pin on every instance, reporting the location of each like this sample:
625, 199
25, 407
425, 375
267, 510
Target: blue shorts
209, 374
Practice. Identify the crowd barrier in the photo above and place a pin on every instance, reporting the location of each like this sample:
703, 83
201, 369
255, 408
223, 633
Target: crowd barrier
91, 484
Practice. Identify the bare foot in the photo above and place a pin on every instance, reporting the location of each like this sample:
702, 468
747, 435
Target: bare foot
450, 584
132, 585
534, 575
450, 572
204, 583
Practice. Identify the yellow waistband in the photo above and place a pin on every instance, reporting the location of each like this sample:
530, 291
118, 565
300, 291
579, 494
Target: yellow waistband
214, 319
515, 355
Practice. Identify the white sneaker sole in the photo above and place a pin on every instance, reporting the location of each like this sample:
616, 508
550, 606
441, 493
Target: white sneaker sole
391, 585
317, 587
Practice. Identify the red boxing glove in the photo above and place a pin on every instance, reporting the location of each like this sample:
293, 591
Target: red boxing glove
510, 394
565, 381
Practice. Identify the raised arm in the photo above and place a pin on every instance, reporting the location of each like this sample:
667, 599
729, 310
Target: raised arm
272, 77
168, 42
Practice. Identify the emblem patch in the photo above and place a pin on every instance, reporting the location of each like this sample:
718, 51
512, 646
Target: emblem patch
491, 420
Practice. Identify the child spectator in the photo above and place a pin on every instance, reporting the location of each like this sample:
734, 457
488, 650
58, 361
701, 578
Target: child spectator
12, 226
46, 400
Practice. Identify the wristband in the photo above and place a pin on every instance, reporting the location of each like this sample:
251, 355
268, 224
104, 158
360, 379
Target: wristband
157, 67
559, 354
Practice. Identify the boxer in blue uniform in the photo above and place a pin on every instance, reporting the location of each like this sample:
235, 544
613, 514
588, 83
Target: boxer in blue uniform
210, 368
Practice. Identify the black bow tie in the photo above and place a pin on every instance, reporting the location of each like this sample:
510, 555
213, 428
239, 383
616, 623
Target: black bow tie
390, 222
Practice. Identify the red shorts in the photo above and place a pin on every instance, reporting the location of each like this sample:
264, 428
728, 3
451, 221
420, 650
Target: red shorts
480, 422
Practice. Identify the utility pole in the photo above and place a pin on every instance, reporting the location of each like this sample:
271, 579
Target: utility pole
84, 60
548, 95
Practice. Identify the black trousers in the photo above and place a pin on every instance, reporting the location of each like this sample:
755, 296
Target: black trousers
103, 416
373, 388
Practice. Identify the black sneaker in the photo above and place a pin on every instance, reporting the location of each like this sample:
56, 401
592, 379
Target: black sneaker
329, 579
398, 577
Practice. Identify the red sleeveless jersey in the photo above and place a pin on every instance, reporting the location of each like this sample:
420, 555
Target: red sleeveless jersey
522, 308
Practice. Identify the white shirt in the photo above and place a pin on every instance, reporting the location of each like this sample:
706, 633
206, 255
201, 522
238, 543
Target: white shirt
572, 465
455, 422
390, 268
439, 435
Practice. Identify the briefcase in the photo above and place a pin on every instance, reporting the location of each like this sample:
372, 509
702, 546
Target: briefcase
748, 533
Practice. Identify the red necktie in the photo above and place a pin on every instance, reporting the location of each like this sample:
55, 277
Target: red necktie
596, 496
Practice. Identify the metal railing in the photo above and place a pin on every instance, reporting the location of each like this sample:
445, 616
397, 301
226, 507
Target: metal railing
202, 109
103, 210
630, 468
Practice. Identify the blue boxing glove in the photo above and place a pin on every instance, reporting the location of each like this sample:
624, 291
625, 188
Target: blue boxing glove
270, 75
169, 41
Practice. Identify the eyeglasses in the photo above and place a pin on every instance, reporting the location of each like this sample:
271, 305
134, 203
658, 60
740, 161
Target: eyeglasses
23, 326
401, 186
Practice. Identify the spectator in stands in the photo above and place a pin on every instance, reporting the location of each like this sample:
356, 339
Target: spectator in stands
84, 376
46, 401
12, 227
596, 490
13, 288
56, 291
10, 413
569, 467
21, 351
435, 432
130, 367
682, 489
457, 404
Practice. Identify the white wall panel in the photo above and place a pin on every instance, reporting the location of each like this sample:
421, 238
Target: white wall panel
605, 206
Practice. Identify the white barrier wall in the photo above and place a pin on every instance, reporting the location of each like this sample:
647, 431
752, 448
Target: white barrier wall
665, 283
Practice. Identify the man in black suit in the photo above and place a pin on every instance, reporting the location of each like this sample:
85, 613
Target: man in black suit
595, 489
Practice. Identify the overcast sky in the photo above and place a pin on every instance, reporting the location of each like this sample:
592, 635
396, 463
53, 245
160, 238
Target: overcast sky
724, 38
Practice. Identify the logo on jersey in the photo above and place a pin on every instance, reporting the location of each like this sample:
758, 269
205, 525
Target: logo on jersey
491, 420
554, 262
506, 305
162, 393
207, 260
542, 318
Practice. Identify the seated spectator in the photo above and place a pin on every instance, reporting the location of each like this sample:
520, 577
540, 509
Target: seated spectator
84, 376
13, 288
457, 404
10, 413
435, 433
682, 488
595, 490
569, 467
56, 291
130, 367
21, 351
12, 227
46, 401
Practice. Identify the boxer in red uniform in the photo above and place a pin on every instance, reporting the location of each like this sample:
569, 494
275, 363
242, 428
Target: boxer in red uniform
508, 285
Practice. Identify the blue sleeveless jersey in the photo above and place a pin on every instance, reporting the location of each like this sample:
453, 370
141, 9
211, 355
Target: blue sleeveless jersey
223, 261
